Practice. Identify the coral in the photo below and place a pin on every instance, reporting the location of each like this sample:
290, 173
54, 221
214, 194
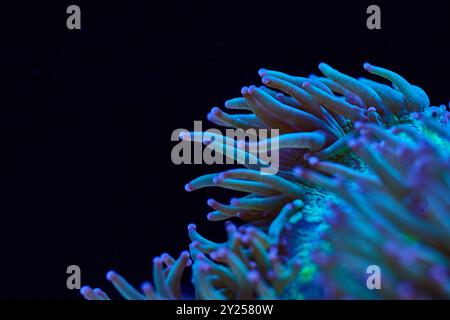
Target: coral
400, 216
359, 160
315, 116
167, 273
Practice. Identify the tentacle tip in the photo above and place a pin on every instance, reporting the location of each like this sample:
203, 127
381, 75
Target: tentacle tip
273, 252
290, 206
279, 96
229, 226
299, 171
206, 141
188, 187
306, 84
262, 72
245, 239
184, 254
253, 277
192, 227
313, 161
244, 90
184, 136
228, 104
366, 133
266, 80
353, 144
322, 65
215, 111
210, 202
252, 89
98, 291
368, 67
146, 286
194, 244
222, 252
85, 290
205, 267
214, 255
165, 256
111, 275
234, 201
271, 275
359, 125
200, 256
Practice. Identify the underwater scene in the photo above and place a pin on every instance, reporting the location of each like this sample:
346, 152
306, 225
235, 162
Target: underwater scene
216, 151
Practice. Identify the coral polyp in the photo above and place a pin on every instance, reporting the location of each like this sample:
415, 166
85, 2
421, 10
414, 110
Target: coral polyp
363, 180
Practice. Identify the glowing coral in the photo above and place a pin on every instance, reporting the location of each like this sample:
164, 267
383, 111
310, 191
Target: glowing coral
400, 215
247, 266
355, 164
316, 116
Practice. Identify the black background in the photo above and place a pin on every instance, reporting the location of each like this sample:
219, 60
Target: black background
86, 116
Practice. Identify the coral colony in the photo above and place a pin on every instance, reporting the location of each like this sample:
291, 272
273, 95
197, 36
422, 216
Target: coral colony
363, 180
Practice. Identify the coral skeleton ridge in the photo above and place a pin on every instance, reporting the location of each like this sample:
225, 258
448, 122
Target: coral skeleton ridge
364, 180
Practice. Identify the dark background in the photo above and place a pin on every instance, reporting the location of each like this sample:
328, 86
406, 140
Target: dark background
86, 116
